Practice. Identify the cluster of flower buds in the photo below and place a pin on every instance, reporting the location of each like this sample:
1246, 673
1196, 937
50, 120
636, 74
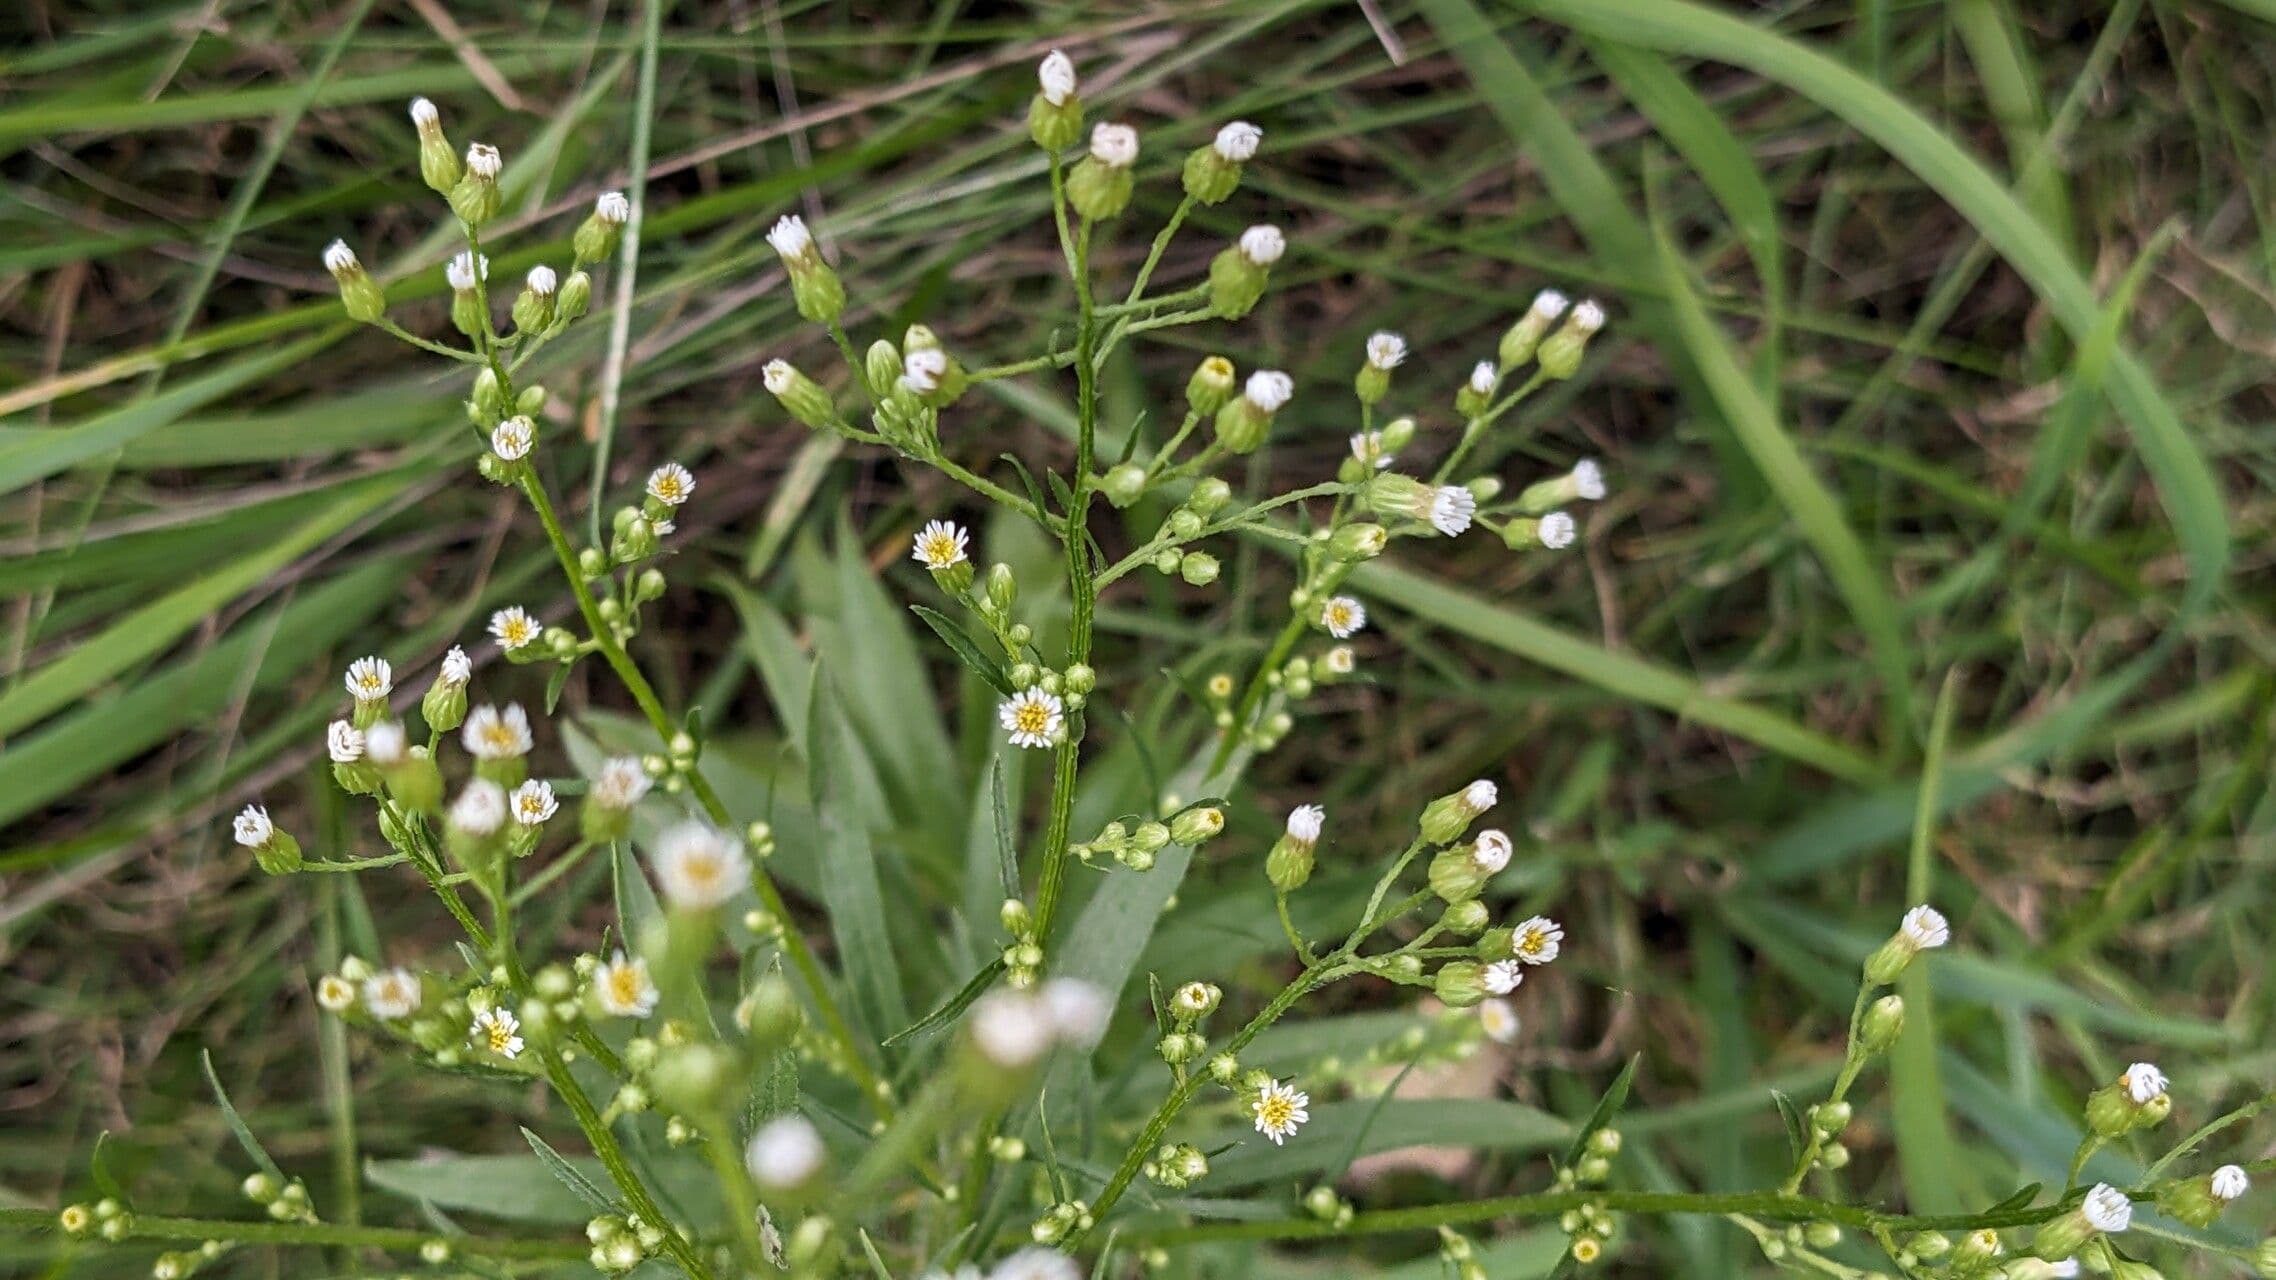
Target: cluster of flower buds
1188, 522
1324, 1204
1067, 1219
1590, 1225
1459, 1255
282, 1199
1134, 844
1176, 1166
620, 1244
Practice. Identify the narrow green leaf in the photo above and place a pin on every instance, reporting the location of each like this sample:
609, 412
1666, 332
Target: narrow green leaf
965, 648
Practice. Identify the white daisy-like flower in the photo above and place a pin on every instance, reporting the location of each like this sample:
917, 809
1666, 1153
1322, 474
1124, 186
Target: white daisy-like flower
923, 369
1279, 1110
492, 734
1056, 76
1492, 850
499, 1031
698, 866
466, 270
335, 994
2107, 1209
1452, 507
785, 1153
623, 989
542, 281
1588, 480
1305, 822
1498, 1019
1483, 377
1114, 145
1032, 717
1924, 927
533, 802
480, 809
386, 744
790, 237
1367, 446
2144, 1083
370, 679
513, 627
1343, 616
1588, 317
1077, 1011
1263, 244
1011, 1028
620, 783
1340, 660
339, 259
511, 440
941, 545
392, 994
1238, 141
1386, 350
344, 742
2228, 1182
1557, 530
423, 113
1504, 976
613, 208
1269, 389
671, 484
1549, 304
1037, 1263
252, 827
457, 668
482, 160
1537, 940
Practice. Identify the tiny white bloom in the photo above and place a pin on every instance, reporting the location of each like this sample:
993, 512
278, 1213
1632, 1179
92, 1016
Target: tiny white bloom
253, 827
790, 237
499, 1031
1343, 616
623, 989
344, 742
1193, 999
1588, 317
1924, 928
511, 439
620, 783
1557, 531
466, 269
922, 370
392, 994
1114, 145
941, 545
385, 743
1305, 822
1549, 304
698, 866
513, 627
1340, 660
1481, 795
492, 734
1538, 940
1279, 1109
612, 207
1499, 1020
1452, 508
2229, 1182
370, 679
1263, 244
1367, 446
335, 994
779, 375
542, 281
480, 809
1057, 77
1238, 141
1504, 976
533, 802
671, 484
339, 258
2107, 1209
1032, 717
482, 160
1011, 1028
1588, 480
2144, 1083
1078, 1011
1269, 389
1037, 1264
784, 1153
423, 113
457, 667
1483, 376
1491, 851
1386, 350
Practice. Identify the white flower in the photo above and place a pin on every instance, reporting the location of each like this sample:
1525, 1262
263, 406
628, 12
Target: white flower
1924, 928
922, 370
1032, 717
1263, 245
424, 115
1587, 480
1305, 822
542, 281
335, 994
511, 439
784, 1153
1011, 1028
1386, 350
1238, 141
466, 269
940, 545
370, 679
499, 1031
623, 988
1114, 145
1481, 795
457, 667
1077, 1011
1279, 1109
1504, 976
1037, 1264
620, 783
385, 743
2144, 1083
1194, 999
790, 237
1557, 531
491, 734
1499, 1020
1343, 616
1588, 317
1269, 389
1057, 77
1549, 304
698, 866
482, 160
611, 207
2067, 1269
671, 484
1339, 661
344, 741
533, 802
779, 375
1452, 508
513, 627
2107, 1209
1367, 446
2229, 1182
339, 258
1537, 940
392, 994
1491, 851
480, 809
253, 827
1483, 376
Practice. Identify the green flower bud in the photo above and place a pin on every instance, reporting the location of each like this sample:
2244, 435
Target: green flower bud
1210, 386
1003, 588
1289, 864
1242, 423
1446, 818
1213, 172
363, 297
771, 1014
1082, 679
1237, 275
1457, 875
1124, 484
1975, 1251
1198, 568
1461, 983
596, 236
1195, 827
576, 298
1884, 1021
1519, 343
1830, 1118
1463, 919
1099, 185
1560, 353
801, 397
438, 162
1355, 542
274, 850
693, 1079
2192, 1201
816, 289
533, 309
474, 197
1055, 117
2105, 1209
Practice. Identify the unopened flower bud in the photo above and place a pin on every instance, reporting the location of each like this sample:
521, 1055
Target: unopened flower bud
1212, 172
1362, 540
533, 310
820, 296
1211, 385
1238, 274
1195, 827
1055, 117
1289, 865
596, 236
1241, 425
359, 293
1198, 568
1124, 484
1099, 185
1520, 341
1460, 983
2105, 1211
801, 397
438, 161
1560, 353
1884, 1021
1446, 818
474, 197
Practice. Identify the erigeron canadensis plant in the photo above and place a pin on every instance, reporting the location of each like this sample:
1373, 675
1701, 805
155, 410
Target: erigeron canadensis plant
835, 1148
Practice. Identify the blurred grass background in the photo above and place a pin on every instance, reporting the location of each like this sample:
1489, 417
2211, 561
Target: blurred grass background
1936, 379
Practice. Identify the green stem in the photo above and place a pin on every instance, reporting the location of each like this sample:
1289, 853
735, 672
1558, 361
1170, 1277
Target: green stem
611, 1156
1154, 255
316, 1234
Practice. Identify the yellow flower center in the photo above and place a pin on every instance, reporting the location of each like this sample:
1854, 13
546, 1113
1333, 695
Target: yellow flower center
703, 871
500, 738
1339, 615
1532, 941
940, 550
668, 489
1032, 717
369, 684
501, 1037
1276, 1111
625, 985
518, 631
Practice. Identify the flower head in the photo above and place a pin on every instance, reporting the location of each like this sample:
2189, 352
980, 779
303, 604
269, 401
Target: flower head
1924, 927
619, 783
1305, 822
335, 994
1238, 141
343, 742
1367, 446
533, 802
1269, 389
622, 987
513, 627
2144, 1083
2229, 1182
1537, 940
1056, 76
492, 734
392, 993
1279, 1110
482, 160
385, 743
1339, 660
499, 1031
2107, 1209
1037, 1264
511, 439
1343, 616
542, 281
457, 668
1588, 317
1451, 509
941, 545
1114, 145
252, 826
1491, 851
1011, 1029
790, 237
1263, 244
1483, 377
1032, 717
480, 809
1504, 976
1588, 480
339, 259
1386, 350
698, 866
923, 369
1498, 1020
466, 270
671, 484
1557, 531
785, 1153
424, 115
370, 679
1076, 1010
1549, 304
611, 207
